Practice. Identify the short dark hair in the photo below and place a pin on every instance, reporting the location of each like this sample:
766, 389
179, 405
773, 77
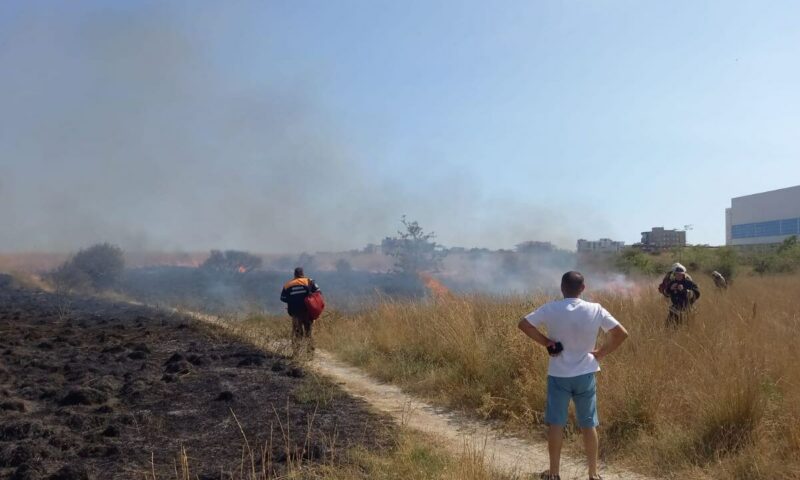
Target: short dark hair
572, 282
298, 272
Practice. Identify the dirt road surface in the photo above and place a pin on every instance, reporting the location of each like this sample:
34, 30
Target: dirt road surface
504, 453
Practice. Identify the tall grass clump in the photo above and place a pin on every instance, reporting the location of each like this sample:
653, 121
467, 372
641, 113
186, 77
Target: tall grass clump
719, 395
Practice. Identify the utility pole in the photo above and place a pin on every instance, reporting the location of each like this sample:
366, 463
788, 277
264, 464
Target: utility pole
687, 228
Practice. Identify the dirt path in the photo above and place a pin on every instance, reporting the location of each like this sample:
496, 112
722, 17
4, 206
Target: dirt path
502, 452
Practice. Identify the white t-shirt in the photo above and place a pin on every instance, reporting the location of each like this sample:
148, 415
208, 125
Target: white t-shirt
575, 323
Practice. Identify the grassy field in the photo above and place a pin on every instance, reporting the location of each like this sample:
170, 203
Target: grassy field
718, 398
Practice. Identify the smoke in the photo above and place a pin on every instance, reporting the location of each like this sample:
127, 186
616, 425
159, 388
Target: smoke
139, 125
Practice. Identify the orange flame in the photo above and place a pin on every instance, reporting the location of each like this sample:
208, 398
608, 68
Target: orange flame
242, 269
434, 286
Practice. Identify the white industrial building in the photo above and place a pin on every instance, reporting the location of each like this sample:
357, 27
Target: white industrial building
602, 245
763, 218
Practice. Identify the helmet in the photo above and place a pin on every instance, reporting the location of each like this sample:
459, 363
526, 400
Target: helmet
678, 268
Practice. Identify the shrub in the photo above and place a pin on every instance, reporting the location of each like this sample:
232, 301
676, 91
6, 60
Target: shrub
632, 260
98, 267
727, 262
231, 261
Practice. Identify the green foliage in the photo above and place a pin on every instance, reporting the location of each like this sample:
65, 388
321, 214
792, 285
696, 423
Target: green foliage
788, 246
98, 267
727, 262
697, 259
633, 260
414, 250
784, 259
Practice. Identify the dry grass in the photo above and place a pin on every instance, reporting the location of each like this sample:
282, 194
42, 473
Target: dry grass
413, 456
718, 398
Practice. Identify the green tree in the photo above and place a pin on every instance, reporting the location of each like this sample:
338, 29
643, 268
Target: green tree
413, 249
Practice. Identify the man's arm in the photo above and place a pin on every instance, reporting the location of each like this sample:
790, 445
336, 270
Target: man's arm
534, 333
284, 296
616, 336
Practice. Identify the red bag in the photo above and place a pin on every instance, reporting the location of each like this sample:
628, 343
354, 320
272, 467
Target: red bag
315, 304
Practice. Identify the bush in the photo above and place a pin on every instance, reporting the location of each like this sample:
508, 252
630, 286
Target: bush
783, 259
231, 261
727, 262
97, 268
633, 260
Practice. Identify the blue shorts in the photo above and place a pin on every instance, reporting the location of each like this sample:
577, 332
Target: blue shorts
582, 390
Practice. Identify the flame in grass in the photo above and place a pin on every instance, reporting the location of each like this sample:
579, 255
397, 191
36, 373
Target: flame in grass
242, 269
435, 287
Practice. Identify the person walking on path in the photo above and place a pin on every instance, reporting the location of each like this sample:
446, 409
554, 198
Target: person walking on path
294, 294
572, 325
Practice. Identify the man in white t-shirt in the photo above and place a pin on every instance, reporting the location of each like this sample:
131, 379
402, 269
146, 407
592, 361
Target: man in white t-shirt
572, 327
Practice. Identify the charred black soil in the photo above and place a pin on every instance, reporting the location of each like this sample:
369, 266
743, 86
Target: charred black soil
95, 389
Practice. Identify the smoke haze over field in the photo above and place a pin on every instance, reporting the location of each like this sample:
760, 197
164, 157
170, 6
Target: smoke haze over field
145, 126
282, 127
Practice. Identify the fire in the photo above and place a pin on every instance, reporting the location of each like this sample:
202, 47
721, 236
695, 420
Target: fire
434, 286
242, 269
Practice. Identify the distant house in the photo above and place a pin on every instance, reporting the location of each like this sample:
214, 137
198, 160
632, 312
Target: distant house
602, 245
658, 239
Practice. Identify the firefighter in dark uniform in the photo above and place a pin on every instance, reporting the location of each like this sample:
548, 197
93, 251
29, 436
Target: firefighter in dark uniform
683, 293
294, 294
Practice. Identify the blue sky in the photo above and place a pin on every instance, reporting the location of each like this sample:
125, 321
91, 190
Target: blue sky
489, 123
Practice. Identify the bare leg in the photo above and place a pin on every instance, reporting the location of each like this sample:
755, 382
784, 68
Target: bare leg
590, 443
555, 438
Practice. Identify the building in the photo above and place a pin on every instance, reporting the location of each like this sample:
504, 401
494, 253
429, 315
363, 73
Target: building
602, 245
533, 246
763, 218
658, 239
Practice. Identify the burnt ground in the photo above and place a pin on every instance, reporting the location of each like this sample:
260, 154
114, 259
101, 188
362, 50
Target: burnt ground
92, 389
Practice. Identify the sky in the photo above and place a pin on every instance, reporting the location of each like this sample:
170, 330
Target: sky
288, 126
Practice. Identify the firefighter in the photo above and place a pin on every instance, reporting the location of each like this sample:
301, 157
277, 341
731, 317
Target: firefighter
294, 294
670, 276
719, 280
683, 293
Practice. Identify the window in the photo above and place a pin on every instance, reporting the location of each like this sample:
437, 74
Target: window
772, 228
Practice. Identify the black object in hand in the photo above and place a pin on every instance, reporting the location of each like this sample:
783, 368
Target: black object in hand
555, 349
